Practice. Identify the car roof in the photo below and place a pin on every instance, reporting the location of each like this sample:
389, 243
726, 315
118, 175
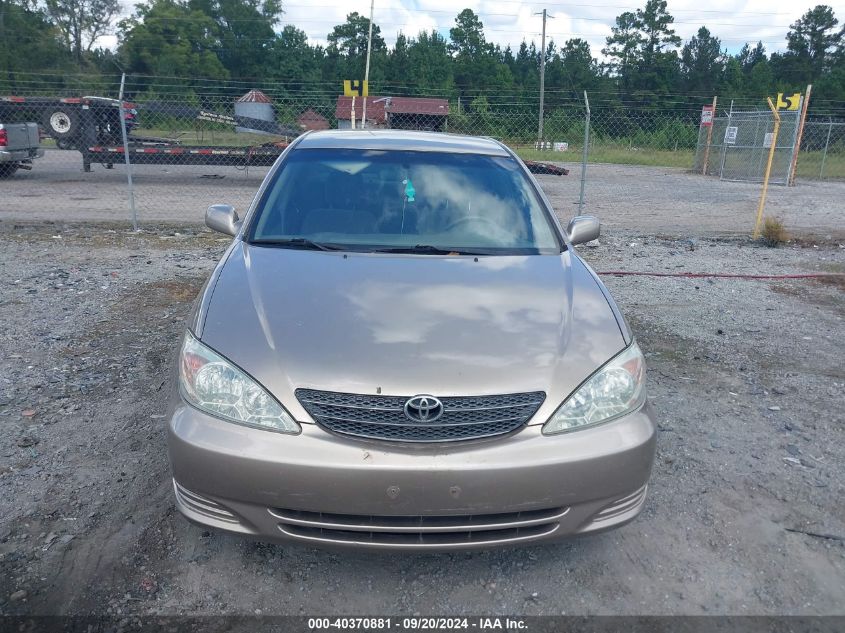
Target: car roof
401, 140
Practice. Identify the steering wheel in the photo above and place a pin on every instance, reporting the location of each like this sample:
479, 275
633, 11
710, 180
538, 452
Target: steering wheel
470, 219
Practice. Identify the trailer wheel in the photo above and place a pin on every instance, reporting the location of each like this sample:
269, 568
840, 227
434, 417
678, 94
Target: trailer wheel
8, 170
61, 123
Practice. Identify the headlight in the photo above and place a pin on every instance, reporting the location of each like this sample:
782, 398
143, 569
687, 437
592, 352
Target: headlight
614, 390
212, 384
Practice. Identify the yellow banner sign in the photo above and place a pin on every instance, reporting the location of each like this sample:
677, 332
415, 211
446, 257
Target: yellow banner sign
355, 88
788, 102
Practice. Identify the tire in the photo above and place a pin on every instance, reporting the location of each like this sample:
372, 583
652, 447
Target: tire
61, 123
8, 170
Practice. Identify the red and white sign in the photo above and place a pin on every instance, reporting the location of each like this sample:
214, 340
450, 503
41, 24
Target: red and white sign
707, 116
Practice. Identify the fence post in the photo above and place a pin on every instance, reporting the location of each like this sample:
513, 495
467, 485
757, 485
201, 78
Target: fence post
793, 167
129, 185
768, 168
725, 145
826, 145
584, 155
709, 140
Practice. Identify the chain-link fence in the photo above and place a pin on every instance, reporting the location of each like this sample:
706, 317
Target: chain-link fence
740, 144
822, 154
213, 142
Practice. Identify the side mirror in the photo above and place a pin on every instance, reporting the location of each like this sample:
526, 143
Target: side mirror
222, 218
583, 228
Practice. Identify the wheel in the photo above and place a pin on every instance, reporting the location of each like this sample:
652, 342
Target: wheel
7, 170
61, 123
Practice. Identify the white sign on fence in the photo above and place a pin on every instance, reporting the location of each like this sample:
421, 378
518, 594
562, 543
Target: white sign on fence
561, 147
730, 135
767, 140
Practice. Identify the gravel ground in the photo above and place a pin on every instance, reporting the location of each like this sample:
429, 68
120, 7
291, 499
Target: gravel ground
653, 200
746, 378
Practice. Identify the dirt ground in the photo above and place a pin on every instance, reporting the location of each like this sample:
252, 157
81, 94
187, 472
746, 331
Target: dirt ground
650, 200
744, 516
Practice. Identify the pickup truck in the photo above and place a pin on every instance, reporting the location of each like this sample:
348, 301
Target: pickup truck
19, 146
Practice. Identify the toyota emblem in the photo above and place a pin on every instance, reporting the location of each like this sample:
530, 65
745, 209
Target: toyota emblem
423, 408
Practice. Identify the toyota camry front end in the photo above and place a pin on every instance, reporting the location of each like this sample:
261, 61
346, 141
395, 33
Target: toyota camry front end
400, 349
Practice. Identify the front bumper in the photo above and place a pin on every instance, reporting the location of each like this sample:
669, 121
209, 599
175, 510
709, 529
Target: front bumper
319, 488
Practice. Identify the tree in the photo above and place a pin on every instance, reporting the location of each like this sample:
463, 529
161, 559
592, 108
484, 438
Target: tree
702, 62
244, 30
292, 59
749, 57
81, 22
574, 69
526, 66
348, 41
468, 36
654, 22
642, 52
399, 62
658, 69
430, 65
27, 29
623, 47
812, 40
166, 38
579, 64
477, 64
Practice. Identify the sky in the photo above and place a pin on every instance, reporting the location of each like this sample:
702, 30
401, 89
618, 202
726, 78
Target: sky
510, 21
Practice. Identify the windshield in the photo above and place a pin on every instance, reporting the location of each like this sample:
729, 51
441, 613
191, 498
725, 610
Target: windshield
424, 202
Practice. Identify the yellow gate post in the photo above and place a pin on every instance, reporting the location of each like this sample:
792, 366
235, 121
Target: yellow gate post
768, 168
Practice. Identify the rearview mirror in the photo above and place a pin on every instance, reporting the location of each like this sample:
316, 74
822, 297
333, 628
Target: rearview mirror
222, 218
583, 228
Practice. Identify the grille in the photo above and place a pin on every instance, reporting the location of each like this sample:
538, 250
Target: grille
419, 531
383, 417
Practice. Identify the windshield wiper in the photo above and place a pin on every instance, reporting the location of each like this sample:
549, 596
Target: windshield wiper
302, 243
428, 249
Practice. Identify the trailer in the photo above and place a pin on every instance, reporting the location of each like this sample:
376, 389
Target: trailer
92, 126
72, 121
255, 156
170, 154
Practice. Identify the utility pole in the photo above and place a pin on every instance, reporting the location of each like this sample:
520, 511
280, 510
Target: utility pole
367, 69
542, 76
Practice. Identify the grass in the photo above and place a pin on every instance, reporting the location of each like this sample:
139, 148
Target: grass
774, 232
809, 163
810, 166
614, 155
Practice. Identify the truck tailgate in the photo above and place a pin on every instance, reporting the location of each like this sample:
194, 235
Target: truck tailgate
20, 136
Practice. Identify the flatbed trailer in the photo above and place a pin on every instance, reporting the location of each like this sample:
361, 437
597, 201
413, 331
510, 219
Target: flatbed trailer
91, 125
255, 156
163, 154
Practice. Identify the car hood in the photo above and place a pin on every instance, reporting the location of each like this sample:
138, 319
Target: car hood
409, 324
